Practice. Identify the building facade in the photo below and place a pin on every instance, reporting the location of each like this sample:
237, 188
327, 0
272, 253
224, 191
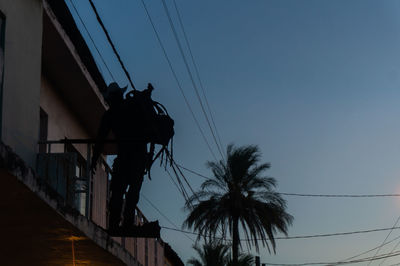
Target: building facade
50, 106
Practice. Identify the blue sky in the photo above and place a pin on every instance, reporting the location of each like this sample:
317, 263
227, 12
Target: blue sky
314, 83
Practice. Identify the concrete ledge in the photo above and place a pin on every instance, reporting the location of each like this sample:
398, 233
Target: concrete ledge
15, 166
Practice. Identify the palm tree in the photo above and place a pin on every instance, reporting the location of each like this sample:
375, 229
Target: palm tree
216, 254
243, 260
236, 196
211, 254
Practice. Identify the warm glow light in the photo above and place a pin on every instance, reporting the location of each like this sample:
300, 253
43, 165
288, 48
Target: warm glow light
73, 252
72, 239
76, 238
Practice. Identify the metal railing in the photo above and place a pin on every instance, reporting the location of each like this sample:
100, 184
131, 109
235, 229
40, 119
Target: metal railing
59, 170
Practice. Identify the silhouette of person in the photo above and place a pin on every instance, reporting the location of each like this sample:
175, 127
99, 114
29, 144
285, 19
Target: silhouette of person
129, 123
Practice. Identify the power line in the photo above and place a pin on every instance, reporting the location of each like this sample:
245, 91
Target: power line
163, 215
190, 75
177, 170
367, 259
112, 44
174, 166
306, 236
392, 251
384, 241
191, 171
91, 38
340, 195
196, 70
346, 261
176, 78
368, 251
180, 187
307, 195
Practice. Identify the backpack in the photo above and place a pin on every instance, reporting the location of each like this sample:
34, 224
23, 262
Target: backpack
164, 125
154, 121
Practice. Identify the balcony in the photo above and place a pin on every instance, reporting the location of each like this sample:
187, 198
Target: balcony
68, 174
40, 223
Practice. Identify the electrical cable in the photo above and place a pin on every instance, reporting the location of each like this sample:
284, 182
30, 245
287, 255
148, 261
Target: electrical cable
392, 251
308, 195
368, 251
163, 215
367, 259
191, 171
91, 38
191, 75
176, 79
196, 70
112, 44
341, 195
180, 187
376, 253
311, 236
183, 176
177, 170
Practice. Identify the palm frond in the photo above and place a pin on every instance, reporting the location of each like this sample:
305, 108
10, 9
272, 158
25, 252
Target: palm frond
238, 189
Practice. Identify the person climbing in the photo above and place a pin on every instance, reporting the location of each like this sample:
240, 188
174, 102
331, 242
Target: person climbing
130, 120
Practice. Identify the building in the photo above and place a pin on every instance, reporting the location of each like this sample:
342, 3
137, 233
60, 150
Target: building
171, 258
53, 211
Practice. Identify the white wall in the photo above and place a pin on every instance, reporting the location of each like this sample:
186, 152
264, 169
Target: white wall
21, 88
62, 122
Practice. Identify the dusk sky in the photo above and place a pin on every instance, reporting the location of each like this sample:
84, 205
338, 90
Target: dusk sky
314, 83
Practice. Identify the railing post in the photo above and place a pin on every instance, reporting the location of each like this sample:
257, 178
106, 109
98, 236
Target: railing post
89, 179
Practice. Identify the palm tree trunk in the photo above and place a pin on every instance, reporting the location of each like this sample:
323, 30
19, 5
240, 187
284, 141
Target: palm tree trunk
235, 240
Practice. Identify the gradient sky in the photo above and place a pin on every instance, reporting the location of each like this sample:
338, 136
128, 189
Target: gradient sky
314, 83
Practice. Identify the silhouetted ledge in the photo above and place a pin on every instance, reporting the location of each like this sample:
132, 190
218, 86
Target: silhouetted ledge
32, 210
172, 255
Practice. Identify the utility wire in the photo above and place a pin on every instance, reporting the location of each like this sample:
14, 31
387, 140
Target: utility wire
392, 251
368, 251
384, 241
367, 259
191, 75
308, 195
191, 171
112, 44
163, 215
176, 78
174, 166
196, 71
91, 38
180, 187
308, 236
340, 195
177, 170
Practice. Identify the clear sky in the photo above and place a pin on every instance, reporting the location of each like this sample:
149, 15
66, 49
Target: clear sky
314, 83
